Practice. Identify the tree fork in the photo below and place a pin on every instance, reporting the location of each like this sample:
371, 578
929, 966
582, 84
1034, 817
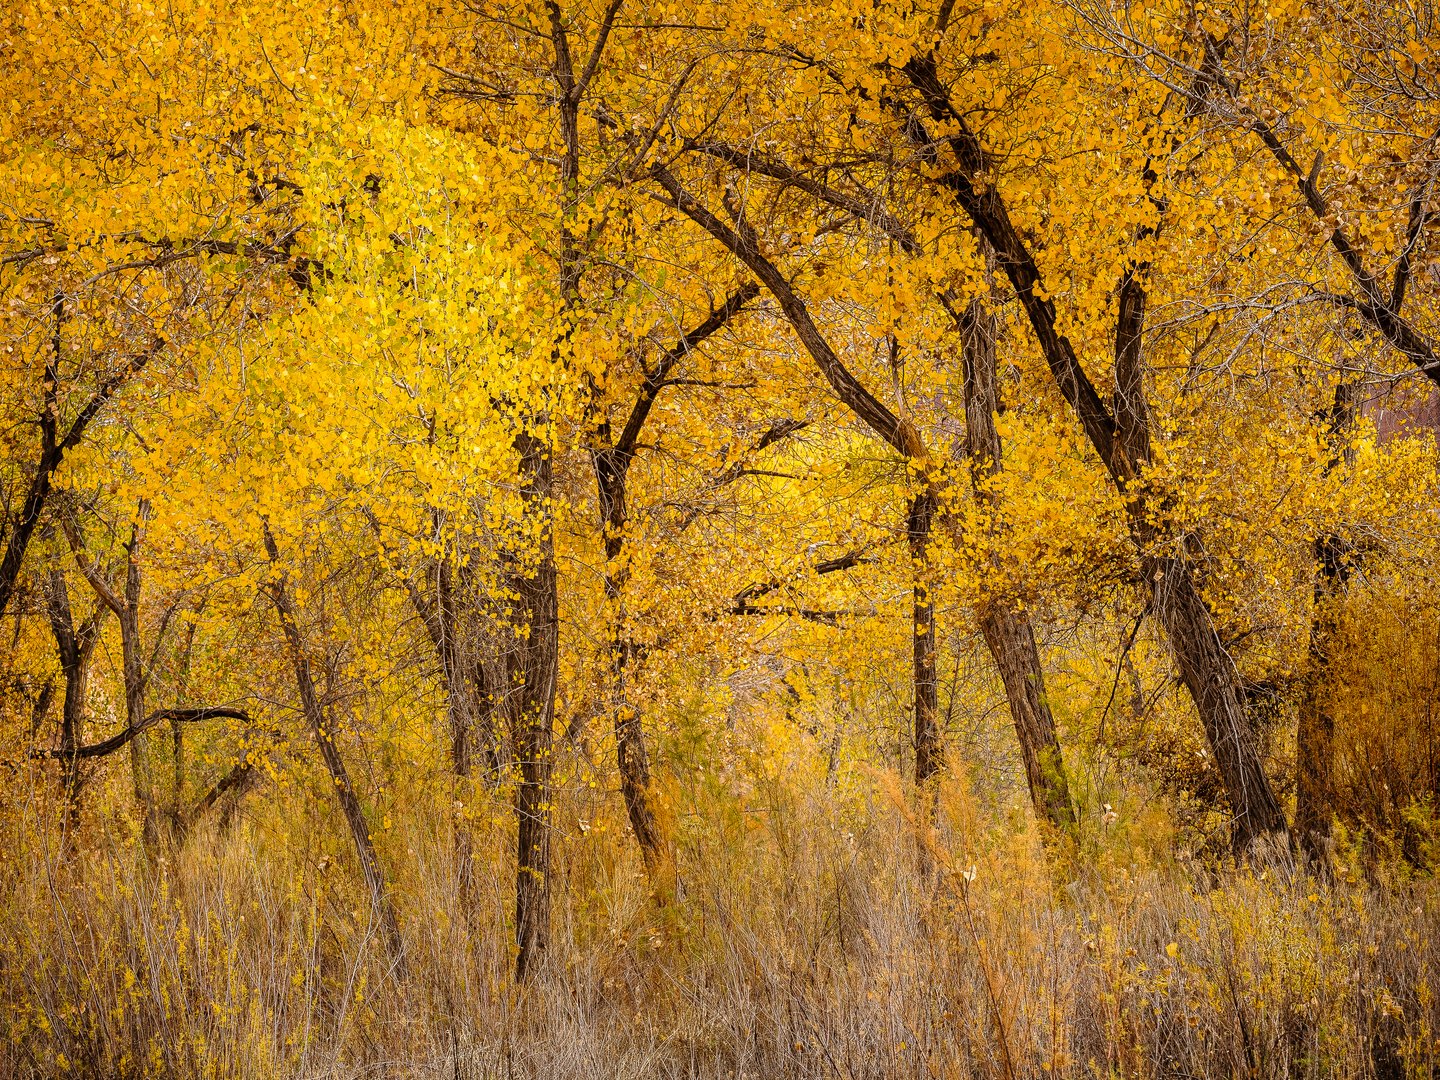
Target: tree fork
742, 242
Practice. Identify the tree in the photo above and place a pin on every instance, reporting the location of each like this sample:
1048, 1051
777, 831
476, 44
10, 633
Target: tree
1122, 441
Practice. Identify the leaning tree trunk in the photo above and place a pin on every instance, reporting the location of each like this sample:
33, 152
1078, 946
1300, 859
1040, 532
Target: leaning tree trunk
1209, 673
534, 670
1206, 666
1006, 628
1011, 641
322, 727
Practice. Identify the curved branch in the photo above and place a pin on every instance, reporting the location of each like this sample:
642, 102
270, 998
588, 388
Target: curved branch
119, 740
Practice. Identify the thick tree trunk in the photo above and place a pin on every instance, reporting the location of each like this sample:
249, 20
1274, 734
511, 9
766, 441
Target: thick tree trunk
322, 727
1006, 628
1214, 683
1011, 641
534, 669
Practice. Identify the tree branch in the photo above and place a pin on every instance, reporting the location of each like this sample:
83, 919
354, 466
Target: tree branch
655, 381
117, 741
742, 242
987, 210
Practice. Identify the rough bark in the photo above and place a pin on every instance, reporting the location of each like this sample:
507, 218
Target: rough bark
1209, 673
533, 665
1006, 628
1206, 666
322, 727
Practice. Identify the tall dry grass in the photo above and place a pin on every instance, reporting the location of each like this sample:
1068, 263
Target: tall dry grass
803, 942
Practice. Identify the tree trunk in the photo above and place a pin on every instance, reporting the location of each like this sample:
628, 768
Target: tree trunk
75, 648
611, 461
1315, 725
612, 469
1122, 441
176, 810
458, 707
126, 605
322, 727
1207, 668
1210, 675
743, 242
469, 706
21, 529
54, 446
142, 766
534, 669
1011, 641
927, 704
1006, 628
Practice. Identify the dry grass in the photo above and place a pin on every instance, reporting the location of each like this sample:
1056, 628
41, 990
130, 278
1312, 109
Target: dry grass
804, 943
